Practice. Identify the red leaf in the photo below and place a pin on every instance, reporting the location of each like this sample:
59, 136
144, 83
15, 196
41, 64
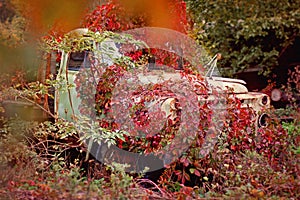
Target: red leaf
197, 173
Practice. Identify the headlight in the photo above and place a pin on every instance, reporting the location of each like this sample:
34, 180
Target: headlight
263, 120
265, 100
276, 95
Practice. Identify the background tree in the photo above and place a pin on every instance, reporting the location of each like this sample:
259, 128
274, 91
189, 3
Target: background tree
12, 37
250, 35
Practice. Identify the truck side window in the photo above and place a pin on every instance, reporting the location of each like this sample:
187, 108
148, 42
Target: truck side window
78, 59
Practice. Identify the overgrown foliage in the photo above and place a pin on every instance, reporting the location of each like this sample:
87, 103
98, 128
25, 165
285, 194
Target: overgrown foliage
48, 160
115, 15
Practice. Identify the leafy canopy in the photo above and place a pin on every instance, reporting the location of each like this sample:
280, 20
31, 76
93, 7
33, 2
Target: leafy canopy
248, 34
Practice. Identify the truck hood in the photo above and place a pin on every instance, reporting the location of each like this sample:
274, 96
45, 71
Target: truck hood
218, 84
223, 84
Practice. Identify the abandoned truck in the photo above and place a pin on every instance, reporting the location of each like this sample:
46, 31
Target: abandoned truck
76, 85
66, 102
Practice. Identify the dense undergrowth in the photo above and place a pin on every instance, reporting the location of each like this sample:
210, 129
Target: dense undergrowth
47, 160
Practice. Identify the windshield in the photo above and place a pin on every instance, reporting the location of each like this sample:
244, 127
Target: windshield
79, 59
